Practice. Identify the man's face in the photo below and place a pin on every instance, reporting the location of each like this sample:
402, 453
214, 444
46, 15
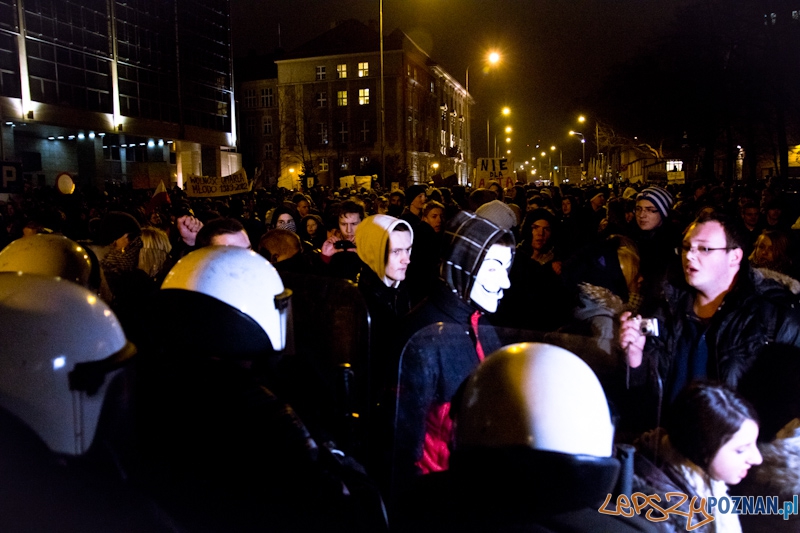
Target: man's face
647, 216
713, 270
734, 459
302, 208
396, 200
419, 202
347, 225
239, 239
434, 219
492, 278
399, 255
540, 234
750, 216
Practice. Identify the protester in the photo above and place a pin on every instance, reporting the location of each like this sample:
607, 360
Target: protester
474, 274
708, 443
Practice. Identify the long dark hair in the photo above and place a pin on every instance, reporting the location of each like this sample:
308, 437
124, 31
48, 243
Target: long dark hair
703, 418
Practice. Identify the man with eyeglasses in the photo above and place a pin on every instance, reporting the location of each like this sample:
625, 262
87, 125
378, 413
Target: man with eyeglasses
655, 237
713, 326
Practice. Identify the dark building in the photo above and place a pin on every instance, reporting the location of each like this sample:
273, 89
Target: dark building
114, 90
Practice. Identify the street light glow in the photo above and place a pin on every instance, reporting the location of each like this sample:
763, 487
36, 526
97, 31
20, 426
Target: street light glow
506, 111
508, 129
508, 139
494, 57
581, 119
553, 148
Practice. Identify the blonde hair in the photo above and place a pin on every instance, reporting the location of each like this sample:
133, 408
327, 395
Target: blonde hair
628, 257
155, 250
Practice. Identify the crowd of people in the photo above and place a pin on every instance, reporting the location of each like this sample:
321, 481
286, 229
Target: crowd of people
375, 360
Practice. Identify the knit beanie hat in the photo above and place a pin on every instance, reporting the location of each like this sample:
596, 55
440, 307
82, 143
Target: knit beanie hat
114, 225
629, 192
499, 213
659, 197
414, 191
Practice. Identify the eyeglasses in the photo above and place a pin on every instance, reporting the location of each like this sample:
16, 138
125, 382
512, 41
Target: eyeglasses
648, 210
701, 250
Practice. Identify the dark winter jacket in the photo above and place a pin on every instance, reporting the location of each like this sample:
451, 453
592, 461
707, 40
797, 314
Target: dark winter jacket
438, 359
516, 489
757, 311
433, 365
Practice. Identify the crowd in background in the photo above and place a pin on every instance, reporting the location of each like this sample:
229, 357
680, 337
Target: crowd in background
582, 258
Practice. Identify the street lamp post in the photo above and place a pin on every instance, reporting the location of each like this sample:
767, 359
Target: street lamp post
492, 58
582, 119
583, 147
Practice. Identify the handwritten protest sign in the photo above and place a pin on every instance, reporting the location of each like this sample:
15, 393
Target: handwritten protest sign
209, 186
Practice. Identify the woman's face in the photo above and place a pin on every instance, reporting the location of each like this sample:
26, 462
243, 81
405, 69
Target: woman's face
735, 457
566, 206
311, 227
763, 250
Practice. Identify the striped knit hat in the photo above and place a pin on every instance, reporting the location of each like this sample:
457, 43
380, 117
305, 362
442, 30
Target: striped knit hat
660, 198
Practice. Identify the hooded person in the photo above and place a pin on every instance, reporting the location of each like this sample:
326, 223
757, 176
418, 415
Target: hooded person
473, 275
384, 245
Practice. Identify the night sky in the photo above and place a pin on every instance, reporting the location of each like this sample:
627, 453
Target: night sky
555, 53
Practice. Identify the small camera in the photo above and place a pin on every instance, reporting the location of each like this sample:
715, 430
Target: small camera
649, 327
343, 244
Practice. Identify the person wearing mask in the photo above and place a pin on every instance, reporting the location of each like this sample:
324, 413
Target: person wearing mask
473, 277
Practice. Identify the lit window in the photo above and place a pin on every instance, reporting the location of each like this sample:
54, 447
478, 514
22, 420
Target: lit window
363, 96
363, 70
674, 165
267, 99
266, 126
323, 164
320, 73
322, 99
341, 98
341, 70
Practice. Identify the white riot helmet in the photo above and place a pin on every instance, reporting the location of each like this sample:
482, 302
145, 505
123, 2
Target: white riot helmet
535, 395
58, 341
49, 255
240, 278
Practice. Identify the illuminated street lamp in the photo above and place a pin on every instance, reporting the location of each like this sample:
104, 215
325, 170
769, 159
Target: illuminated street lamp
508, 129
492, 59
506, 111
583, 146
